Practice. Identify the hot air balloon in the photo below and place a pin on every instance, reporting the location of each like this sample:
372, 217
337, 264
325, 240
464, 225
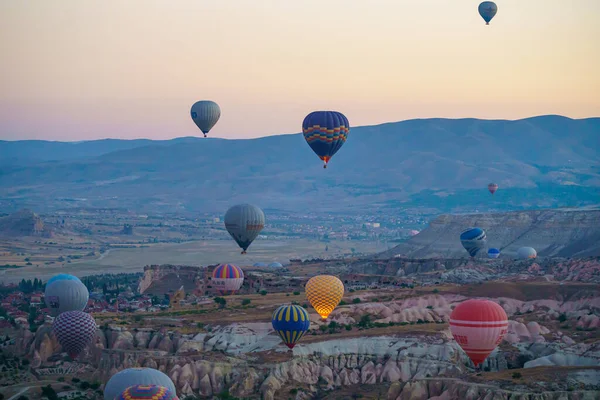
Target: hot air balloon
324, 293
413, 232
147, 392
325, 132
473, 240
244, 222
227, 278
136, 376
487, 10
260, 264
276, 265
492, 187
205, 114
65, 295
478, 326
526, 252
74, 330
290, 322
493, 252
60, 277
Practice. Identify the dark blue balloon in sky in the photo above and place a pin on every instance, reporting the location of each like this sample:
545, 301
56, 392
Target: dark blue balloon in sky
493, 253
473, 240
325, 132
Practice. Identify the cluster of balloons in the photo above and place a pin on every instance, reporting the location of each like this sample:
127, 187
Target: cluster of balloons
475, 239
66, 297
140, 384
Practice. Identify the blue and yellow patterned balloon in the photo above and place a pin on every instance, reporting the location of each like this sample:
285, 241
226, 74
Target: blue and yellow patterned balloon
325, 132
291, 323
147, 392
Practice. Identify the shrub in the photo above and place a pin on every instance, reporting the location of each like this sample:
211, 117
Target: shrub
348, 327
562, 317
296, 293
245, 302
356, 300
516, 375
263, 292
430, 307
343, 303
435, 291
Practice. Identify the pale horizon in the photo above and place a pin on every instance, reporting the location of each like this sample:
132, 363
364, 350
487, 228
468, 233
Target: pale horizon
77, 70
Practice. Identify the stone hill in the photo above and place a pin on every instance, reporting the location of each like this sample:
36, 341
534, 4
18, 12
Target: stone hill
163, 279
23, 223
553, 233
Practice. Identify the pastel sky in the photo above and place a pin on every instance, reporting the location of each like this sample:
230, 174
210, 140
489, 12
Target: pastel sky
86, 69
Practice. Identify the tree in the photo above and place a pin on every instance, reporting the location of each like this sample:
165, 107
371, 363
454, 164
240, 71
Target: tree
263, 292
104, 289
49, 392
221, 302
356, 300
245, 302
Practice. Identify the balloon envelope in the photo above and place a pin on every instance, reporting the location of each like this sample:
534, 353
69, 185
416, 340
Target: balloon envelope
324, 292
526, 252
325, 132
414, 232
290, 322
244, 222
487, 10
276, 265
65, 295
227, 278
147, 392
473, 240
478, 326
493, 253
135, 376
60, 277
205, 114
492, 187
74, 331
260, 264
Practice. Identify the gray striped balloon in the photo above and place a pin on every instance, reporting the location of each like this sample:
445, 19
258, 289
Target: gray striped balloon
205, 114
244, 222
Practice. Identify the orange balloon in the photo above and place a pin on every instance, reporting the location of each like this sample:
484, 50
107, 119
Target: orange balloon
324, 293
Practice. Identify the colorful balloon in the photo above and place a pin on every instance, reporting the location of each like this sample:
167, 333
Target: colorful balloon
493, 253
492, 187
324, 292
205, 114
227, 278
136, 376
66, 295
74, 331
325, 132
291, 323
244, 222
473, 240
526, 252
478, 326
60, 277
147, 392
488, 10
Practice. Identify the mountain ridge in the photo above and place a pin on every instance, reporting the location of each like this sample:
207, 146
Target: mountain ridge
553, 160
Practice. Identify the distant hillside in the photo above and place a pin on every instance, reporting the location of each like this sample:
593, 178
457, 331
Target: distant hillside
23, 223
560, 233
443, 164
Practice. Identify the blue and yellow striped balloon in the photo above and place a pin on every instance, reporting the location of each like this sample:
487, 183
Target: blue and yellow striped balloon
291, 323
325, 132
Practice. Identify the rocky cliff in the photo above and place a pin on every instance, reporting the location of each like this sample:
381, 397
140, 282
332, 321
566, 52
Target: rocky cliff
560, 233
23, 223
163, 279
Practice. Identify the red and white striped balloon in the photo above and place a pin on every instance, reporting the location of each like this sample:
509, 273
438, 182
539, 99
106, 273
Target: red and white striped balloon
478, 326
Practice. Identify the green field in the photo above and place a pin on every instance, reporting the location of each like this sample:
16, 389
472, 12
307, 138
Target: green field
198, 253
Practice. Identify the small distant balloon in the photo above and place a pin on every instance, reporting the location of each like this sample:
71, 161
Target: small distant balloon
492, 187
325, 132
487, 10
414, 232
493, 253
526, 252
205, 114
473, 240
291, 323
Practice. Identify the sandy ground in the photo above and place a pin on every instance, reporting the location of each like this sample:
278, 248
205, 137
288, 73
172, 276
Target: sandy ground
129, 260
